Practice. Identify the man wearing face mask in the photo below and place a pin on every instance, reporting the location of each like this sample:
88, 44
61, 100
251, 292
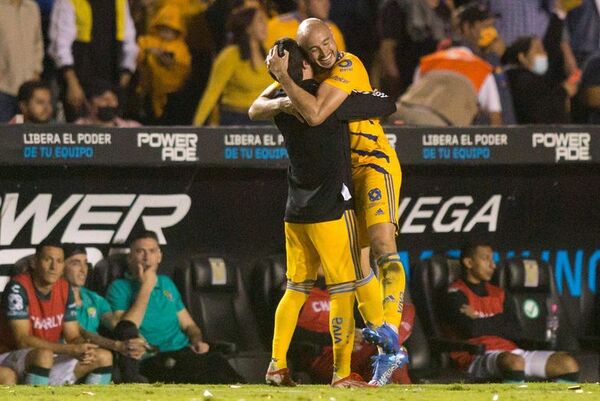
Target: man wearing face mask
537, 77
102, 106
469, 86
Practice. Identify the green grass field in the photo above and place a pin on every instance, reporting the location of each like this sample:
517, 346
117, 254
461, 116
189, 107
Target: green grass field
158, 392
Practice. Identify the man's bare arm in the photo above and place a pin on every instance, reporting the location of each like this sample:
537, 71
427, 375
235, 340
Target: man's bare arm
314, 109
137, 311
266, 108
20, 329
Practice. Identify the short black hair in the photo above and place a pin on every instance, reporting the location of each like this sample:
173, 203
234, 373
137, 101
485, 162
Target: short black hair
143, 234
520, 45
474, 11
97, 87
73, 249
296, 58
28, 88
468, 249
51, 242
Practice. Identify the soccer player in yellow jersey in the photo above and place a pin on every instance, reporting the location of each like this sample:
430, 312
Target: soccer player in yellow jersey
375, 167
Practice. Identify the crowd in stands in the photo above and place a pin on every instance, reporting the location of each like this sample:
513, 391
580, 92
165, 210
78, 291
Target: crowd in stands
201, 62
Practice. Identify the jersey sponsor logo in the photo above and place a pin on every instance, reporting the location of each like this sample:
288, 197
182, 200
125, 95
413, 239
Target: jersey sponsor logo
15, 302
345, 63
340, 79
336, 324
46, 323
531, 309
568, 146
375, 93
320, 306
379, 212
168, 295
375, 195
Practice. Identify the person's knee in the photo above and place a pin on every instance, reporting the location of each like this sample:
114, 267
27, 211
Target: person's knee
561, 363
510, 362
104, 357
8, 376
42, 357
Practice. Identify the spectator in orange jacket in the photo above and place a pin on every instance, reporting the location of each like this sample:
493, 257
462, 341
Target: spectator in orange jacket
164, 59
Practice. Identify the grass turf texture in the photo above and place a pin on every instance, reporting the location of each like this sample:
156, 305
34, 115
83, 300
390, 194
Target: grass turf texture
159, 392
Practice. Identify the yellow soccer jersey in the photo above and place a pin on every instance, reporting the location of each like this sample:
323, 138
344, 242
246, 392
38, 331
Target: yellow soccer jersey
367, 139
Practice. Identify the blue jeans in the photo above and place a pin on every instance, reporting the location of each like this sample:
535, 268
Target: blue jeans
8, 107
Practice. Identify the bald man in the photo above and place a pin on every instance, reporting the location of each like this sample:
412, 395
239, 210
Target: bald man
376, 176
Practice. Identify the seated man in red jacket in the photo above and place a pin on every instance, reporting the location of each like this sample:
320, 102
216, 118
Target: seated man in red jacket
40, 338
480, 312
313, 327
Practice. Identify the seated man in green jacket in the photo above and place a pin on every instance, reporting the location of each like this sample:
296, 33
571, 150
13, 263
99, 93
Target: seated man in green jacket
92, 309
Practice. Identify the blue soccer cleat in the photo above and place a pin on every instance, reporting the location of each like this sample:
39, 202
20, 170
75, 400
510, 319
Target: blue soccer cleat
383, 336
384, 366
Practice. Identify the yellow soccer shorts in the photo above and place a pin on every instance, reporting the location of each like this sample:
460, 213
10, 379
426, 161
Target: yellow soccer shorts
376, 195
332, 244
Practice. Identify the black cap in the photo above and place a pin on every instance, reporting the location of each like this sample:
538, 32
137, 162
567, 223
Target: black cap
474, 12
97, 87
73, 249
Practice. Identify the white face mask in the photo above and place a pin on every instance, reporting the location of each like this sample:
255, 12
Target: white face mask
540, 64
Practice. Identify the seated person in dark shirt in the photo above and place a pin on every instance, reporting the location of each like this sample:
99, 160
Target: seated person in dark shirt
479, 312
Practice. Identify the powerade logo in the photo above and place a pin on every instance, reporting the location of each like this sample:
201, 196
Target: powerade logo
569, 146
178, 147
90, 210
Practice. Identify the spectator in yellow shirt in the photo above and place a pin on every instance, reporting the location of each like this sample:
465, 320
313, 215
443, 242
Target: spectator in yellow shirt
164, 59
286, 25
239, 73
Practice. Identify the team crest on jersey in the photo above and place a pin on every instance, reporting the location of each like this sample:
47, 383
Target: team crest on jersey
375, 195
15, 302
167, 294
91, 311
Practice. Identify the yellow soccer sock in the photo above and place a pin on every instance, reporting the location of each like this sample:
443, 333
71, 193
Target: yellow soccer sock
286, 317
393, 283
368, 295
341, 327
